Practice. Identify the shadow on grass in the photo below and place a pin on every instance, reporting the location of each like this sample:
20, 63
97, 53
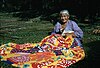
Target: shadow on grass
92, 58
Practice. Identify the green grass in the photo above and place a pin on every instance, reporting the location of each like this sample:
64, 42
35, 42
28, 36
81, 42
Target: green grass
34, 30
24, 31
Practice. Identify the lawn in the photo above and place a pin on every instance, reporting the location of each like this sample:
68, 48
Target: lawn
12, 29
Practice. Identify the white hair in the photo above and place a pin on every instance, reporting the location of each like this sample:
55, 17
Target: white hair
64, 12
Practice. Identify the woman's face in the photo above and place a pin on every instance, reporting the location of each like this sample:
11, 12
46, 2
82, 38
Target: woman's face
64, 18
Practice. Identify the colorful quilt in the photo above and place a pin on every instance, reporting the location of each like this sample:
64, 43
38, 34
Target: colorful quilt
53, 51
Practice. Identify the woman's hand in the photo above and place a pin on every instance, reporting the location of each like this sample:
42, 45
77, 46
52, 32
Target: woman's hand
72, 34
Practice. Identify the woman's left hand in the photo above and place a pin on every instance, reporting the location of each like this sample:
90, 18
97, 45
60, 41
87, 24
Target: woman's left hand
72, 34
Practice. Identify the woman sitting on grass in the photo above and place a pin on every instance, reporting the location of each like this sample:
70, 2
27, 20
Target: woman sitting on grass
59, 50
66, 27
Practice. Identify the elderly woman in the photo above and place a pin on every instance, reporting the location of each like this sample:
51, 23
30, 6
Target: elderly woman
65, 25
54, 51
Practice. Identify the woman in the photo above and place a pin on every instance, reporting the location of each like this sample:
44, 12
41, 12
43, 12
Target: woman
54, 51
66, 25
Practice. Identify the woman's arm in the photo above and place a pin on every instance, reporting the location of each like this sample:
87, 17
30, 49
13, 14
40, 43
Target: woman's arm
77, 30
56, 28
